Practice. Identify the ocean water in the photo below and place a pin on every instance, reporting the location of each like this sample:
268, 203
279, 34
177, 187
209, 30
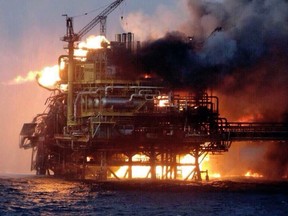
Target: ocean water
34, 195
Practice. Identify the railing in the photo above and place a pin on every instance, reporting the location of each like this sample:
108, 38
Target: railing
239, 131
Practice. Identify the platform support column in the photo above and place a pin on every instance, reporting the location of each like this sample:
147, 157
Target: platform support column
197, 172
130, 166
174, 166
153, 163
103, 166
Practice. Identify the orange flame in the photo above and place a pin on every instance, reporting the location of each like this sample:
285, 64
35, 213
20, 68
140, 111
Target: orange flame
163, 101
49, 76
92, 42
253, 174
187, 167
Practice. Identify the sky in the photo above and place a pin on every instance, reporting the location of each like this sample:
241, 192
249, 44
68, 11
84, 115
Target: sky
251, 53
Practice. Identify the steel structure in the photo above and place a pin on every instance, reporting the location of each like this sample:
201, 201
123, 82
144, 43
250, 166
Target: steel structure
114, 119
72, 37
102, 121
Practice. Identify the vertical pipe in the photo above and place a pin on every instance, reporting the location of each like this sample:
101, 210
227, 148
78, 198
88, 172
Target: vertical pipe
153, 163
130, 40
124, 39
118, 38
103, 166
197, 165
162, 165
70, 120
130, 167
175, 166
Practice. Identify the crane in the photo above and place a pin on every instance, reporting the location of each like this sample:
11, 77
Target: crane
71, 38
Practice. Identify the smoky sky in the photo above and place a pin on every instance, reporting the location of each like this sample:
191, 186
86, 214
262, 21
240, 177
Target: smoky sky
239, 48
246, 34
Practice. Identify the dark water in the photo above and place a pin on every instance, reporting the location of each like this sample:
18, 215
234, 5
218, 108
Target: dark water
31, 195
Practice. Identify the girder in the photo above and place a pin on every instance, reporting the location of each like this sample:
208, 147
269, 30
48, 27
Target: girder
257, 131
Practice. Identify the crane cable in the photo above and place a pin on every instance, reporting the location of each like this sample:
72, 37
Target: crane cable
92, 11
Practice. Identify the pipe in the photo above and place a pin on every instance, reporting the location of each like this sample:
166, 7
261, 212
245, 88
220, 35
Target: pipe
70, 118
140, 94
143, 92
60, 58
130, 87
83, 93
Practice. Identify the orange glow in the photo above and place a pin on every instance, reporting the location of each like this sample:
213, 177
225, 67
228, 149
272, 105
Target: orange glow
162, 101
215, 175
121, 171
205, 165
49, 76
253, 174
250, 117
186, 170
188, 166
92, 42
140, 171
137, 171
147, 76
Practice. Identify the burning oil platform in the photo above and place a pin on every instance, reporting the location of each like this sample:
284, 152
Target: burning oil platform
99, 120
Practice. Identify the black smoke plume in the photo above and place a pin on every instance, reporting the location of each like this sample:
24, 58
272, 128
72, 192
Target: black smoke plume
248, 33
239, 48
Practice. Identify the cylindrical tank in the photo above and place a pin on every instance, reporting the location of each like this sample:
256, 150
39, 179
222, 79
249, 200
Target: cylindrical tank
130, 40
90, 102
119, 103
118, 38
124, 38
130, 36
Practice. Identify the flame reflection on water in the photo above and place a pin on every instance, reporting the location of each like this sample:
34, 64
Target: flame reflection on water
33, 195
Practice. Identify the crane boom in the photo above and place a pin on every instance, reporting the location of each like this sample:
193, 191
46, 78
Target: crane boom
98, 18
72, 37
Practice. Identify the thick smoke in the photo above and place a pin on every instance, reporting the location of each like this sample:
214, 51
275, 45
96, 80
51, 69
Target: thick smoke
276, 156
247, 33
237, 48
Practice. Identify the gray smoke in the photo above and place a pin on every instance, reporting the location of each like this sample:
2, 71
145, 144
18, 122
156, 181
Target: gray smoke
232, 42
240, 50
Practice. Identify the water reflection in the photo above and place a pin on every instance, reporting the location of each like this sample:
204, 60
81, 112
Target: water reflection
48, 196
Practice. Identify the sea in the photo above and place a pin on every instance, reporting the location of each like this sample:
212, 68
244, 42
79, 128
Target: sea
42, 195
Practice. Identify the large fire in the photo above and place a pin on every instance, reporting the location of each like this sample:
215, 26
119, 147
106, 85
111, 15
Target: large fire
184, 171
92, 42
49, 76
253, 174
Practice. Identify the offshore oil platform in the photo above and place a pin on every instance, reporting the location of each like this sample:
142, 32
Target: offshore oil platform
101, 120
